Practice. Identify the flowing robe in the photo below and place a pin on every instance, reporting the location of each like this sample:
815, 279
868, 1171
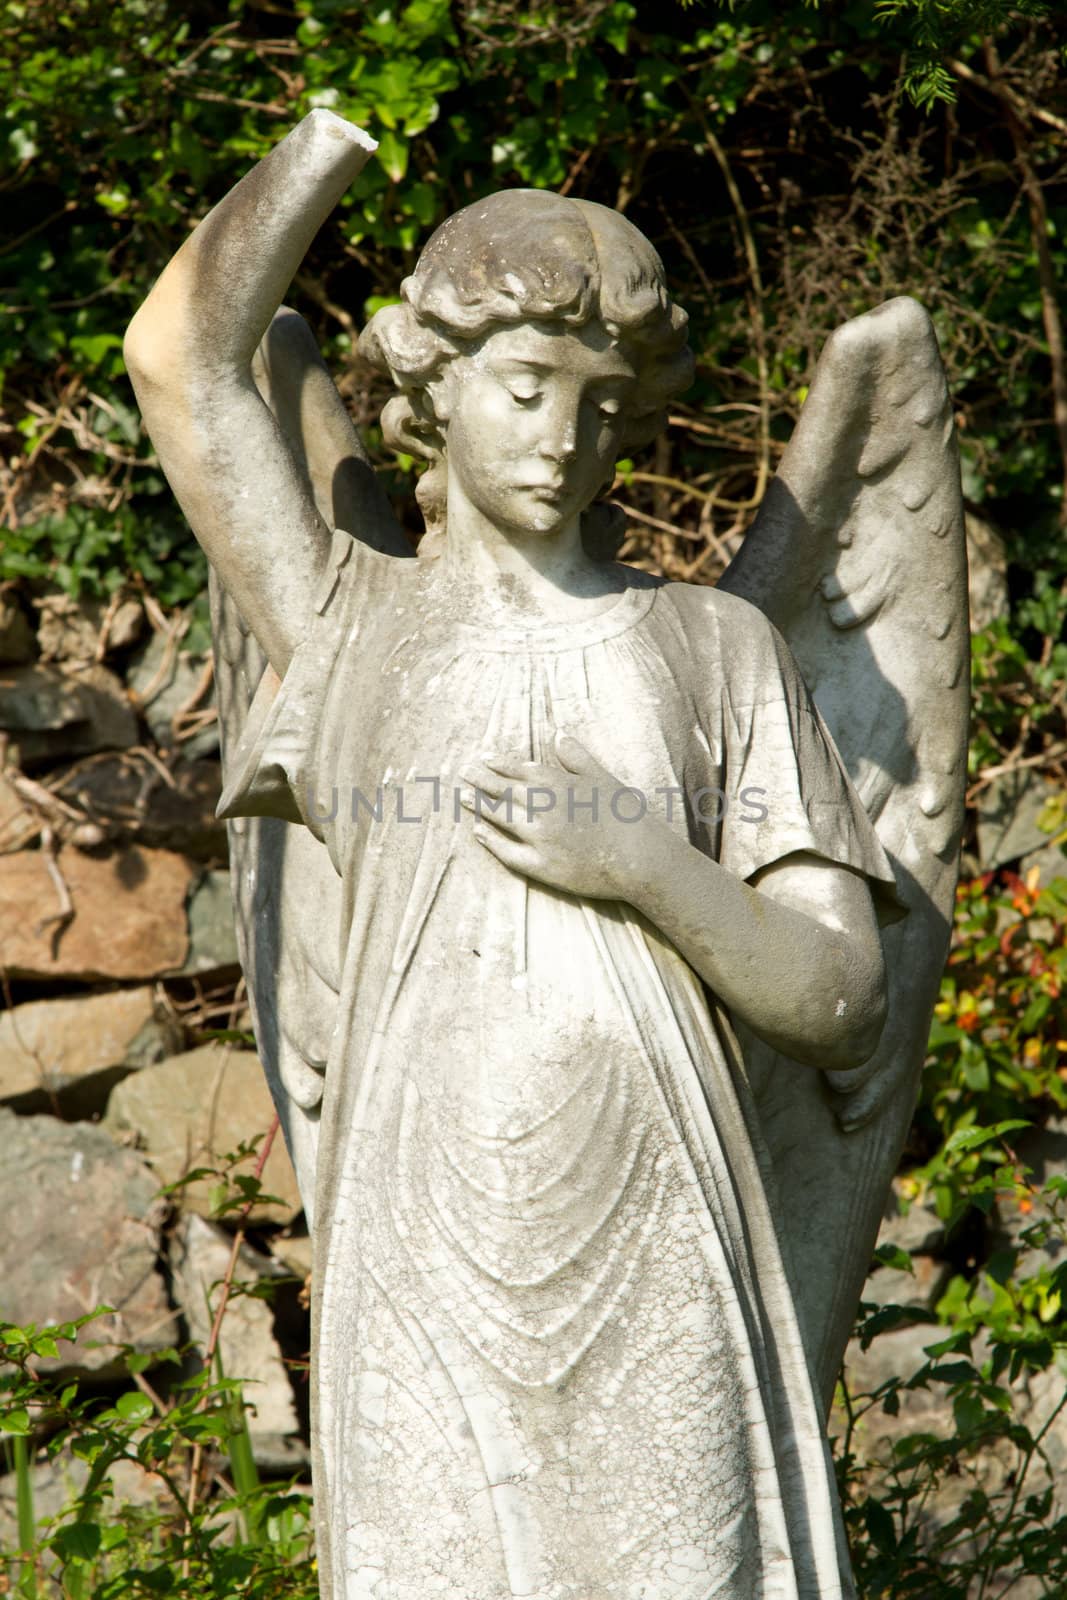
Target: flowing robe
556, 1351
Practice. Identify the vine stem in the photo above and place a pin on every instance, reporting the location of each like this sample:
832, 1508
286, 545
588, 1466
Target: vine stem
226, 1287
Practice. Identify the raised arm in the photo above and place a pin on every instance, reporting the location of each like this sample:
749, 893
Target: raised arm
189, 352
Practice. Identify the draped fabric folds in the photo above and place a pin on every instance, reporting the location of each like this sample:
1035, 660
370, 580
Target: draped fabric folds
557, 1355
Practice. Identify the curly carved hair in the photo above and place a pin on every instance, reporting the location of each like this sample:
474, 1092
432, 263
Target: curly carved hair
519, 255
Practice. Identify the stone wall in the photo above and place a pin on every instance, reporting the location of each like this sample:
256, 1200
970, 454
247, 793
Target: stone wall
118, 967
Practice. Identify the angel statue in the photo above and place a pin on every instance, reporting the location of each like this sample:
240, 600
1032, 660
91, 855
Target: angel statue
592, 922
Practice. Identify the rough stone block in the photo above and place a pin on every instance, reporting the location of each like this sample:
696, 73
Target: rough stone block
212, 940
83, 1231
129, 919
56, 713
192, 1110
76, 1049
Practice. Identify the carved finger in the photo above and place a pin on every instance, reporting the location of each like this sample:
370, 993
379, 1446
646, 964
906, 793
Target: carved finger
490, 783
519, 857
507, 820
512, 764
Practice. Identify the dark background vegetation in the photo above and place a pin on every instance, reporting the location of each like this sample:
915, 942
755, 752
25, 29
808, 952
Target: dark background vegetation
795, 165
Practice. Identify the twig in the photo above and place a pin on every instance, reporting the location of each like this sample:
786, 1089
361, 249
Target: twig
759, 327
653, 522
154, 762
711, 411
60, 920
671, 483
238, 1241
986, 776
43, 800
46, 222
1003, 91
175, 631
186, 722
1028, 1456
271, 108
575, 172
709, 496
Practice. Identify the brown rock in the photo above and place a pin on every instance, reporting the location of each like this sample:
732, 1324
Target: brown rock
77, 1048
192, 1111
83, 1231
129, 915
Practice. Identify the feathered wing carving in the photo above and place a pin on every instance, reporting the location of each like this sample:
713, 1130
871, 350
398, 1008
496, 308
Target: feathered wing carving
858, 557
281, 875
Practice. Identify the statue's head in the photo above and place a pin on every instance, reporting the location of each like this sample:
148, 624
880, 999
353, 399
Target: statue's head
534, 344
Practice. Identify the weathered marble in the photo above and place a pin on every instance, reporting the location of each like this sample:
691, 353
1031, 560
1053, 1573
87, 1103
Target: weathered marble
592, 923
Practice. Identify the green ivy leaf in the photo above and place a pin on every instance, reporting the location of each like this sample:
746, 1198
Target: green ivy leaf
134, 1406
393, 154
975, 1138
78, 1542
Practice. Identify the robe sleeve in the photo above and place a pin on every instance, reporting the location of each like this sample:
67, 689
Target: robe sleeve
275, 767
787, 787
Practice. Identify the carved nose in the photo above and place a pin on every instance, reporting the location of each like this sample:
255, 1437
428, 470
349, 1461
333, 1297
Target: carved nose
560, 443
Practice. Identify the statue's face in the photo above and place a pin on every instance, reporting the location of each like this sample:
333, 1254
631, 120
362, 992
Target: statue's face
533, 418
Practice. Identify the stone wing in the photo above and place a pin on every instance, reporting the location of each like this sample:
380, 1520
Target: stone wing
858, 557
287, 897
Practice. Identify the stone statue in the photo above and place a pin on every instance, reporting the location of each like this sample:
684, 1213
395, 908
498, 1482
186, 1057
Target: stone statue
592, 923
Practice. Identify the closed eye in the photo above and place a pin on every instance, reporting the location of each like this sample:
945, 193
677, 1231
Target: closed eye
607, 404
523, 394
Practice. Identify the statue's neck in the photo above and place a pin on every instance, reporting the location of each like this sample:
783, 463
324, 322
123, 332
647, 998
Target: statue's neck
521, 579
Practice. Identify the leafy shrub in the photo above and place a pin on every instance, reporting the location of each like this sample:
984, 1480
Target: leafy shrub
970, 1509
246, 1540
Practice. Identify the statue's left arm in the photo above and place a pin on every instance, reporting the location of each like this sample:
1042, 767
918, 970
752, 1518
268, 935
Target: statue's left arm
794, 953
